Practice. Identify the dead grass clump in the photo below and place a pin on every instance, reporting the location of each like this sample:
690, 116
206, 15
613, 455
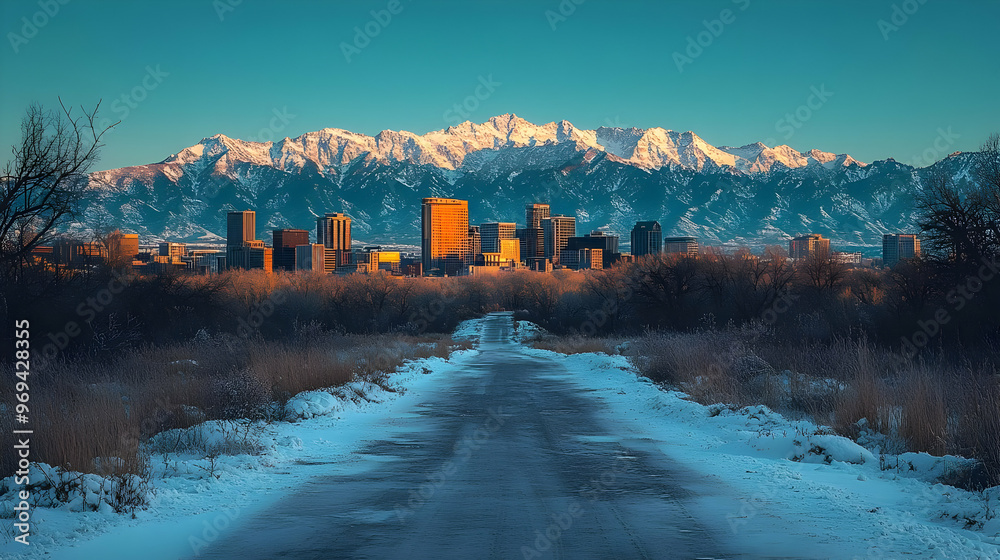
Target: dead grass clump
577, 344
101, 413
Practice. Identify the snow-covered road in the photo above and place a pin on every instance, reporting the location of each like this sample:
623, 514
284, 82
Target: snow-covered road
510, 452
508, 462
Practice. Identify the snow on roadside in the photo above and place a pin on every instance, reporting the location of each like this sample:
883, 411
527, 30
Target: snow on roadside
526, 330
469, 330
794, 473
194, 499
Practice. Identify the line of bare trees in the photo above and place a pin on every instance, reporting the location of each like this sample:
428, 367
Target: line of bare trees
820, 298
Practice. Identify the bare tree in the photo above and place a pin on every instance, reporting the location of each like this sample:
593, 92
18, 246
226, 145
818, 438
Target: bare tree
965, 223
43, 183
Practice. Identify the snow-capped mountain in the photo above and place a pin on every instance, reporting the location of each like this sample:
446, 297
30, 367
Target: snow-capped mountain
455, 148
608, 178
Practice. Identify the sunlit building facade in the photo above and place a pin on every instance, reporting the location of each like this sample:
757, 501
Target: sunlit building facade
556, 231
806, 246
444, 235
680, 246
897, 247
333, 231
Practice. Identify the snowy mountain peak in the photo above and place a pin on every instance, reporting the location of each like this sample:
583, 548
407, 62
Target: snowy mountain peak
451, 147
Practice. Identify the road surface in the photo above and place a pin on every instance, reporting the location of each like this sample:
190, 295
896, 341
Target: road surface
505, 463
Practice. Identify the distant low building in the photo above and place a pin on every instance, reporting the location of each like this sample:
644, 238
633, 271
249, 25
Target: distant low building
897, 247
680, 246
492, 232
122, 247
582, 259
805, 246
849, 258
311, 257
173, 250
608, 244
647, 238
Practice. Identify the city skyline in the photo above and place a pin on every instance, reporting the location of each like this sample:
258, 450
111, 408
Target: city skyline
451, 246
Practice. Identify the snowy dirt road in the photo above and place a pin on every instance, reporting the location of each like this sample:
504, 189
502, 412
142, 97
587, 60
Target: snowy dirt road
510, 463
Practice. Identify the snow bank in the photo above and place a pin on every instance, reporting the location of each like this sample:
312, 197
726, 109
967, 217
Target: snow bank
204, 478
796, 482
470, 330
526, 330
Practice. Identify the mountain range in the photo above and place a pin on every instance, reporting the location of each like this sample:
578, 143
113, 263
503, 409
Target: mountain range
609, 178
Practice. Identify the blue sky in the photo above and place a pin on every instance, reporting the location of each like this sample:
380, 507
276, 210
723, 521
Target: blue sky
175, 72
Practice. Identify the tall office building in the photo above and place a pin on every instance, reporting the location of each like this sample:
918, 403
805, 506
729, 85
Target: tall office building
285, 242
608, 245
492, 232
896, 247
680, 246
532, 237
243, 250
311, 257
534, 214
444, 235
805, 246
556, 231
241, 227
475, 245
333, 231
173, 250
647, 239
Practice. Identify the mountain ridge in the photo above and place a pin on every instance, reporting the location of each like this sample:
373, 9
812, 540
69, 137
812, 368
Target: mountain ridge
448, 148
608, 178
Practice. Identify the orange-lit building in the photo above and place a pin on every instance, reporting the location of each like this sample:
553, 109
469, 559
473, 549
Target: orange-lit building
334, 231
444, 235
243, 250
285, 242
805, 246
123, 246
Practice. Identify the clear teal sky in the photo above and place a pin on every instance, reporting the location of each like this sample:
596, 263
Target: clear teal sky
606, 63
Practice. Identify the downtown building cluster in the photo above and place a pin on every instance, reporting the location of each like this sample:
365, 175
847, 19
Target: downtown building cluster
450, 246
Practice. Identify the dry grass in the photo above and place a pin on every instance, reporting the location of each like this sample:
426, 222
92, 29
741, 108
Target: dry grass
939, 408
577, 344
93, 410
